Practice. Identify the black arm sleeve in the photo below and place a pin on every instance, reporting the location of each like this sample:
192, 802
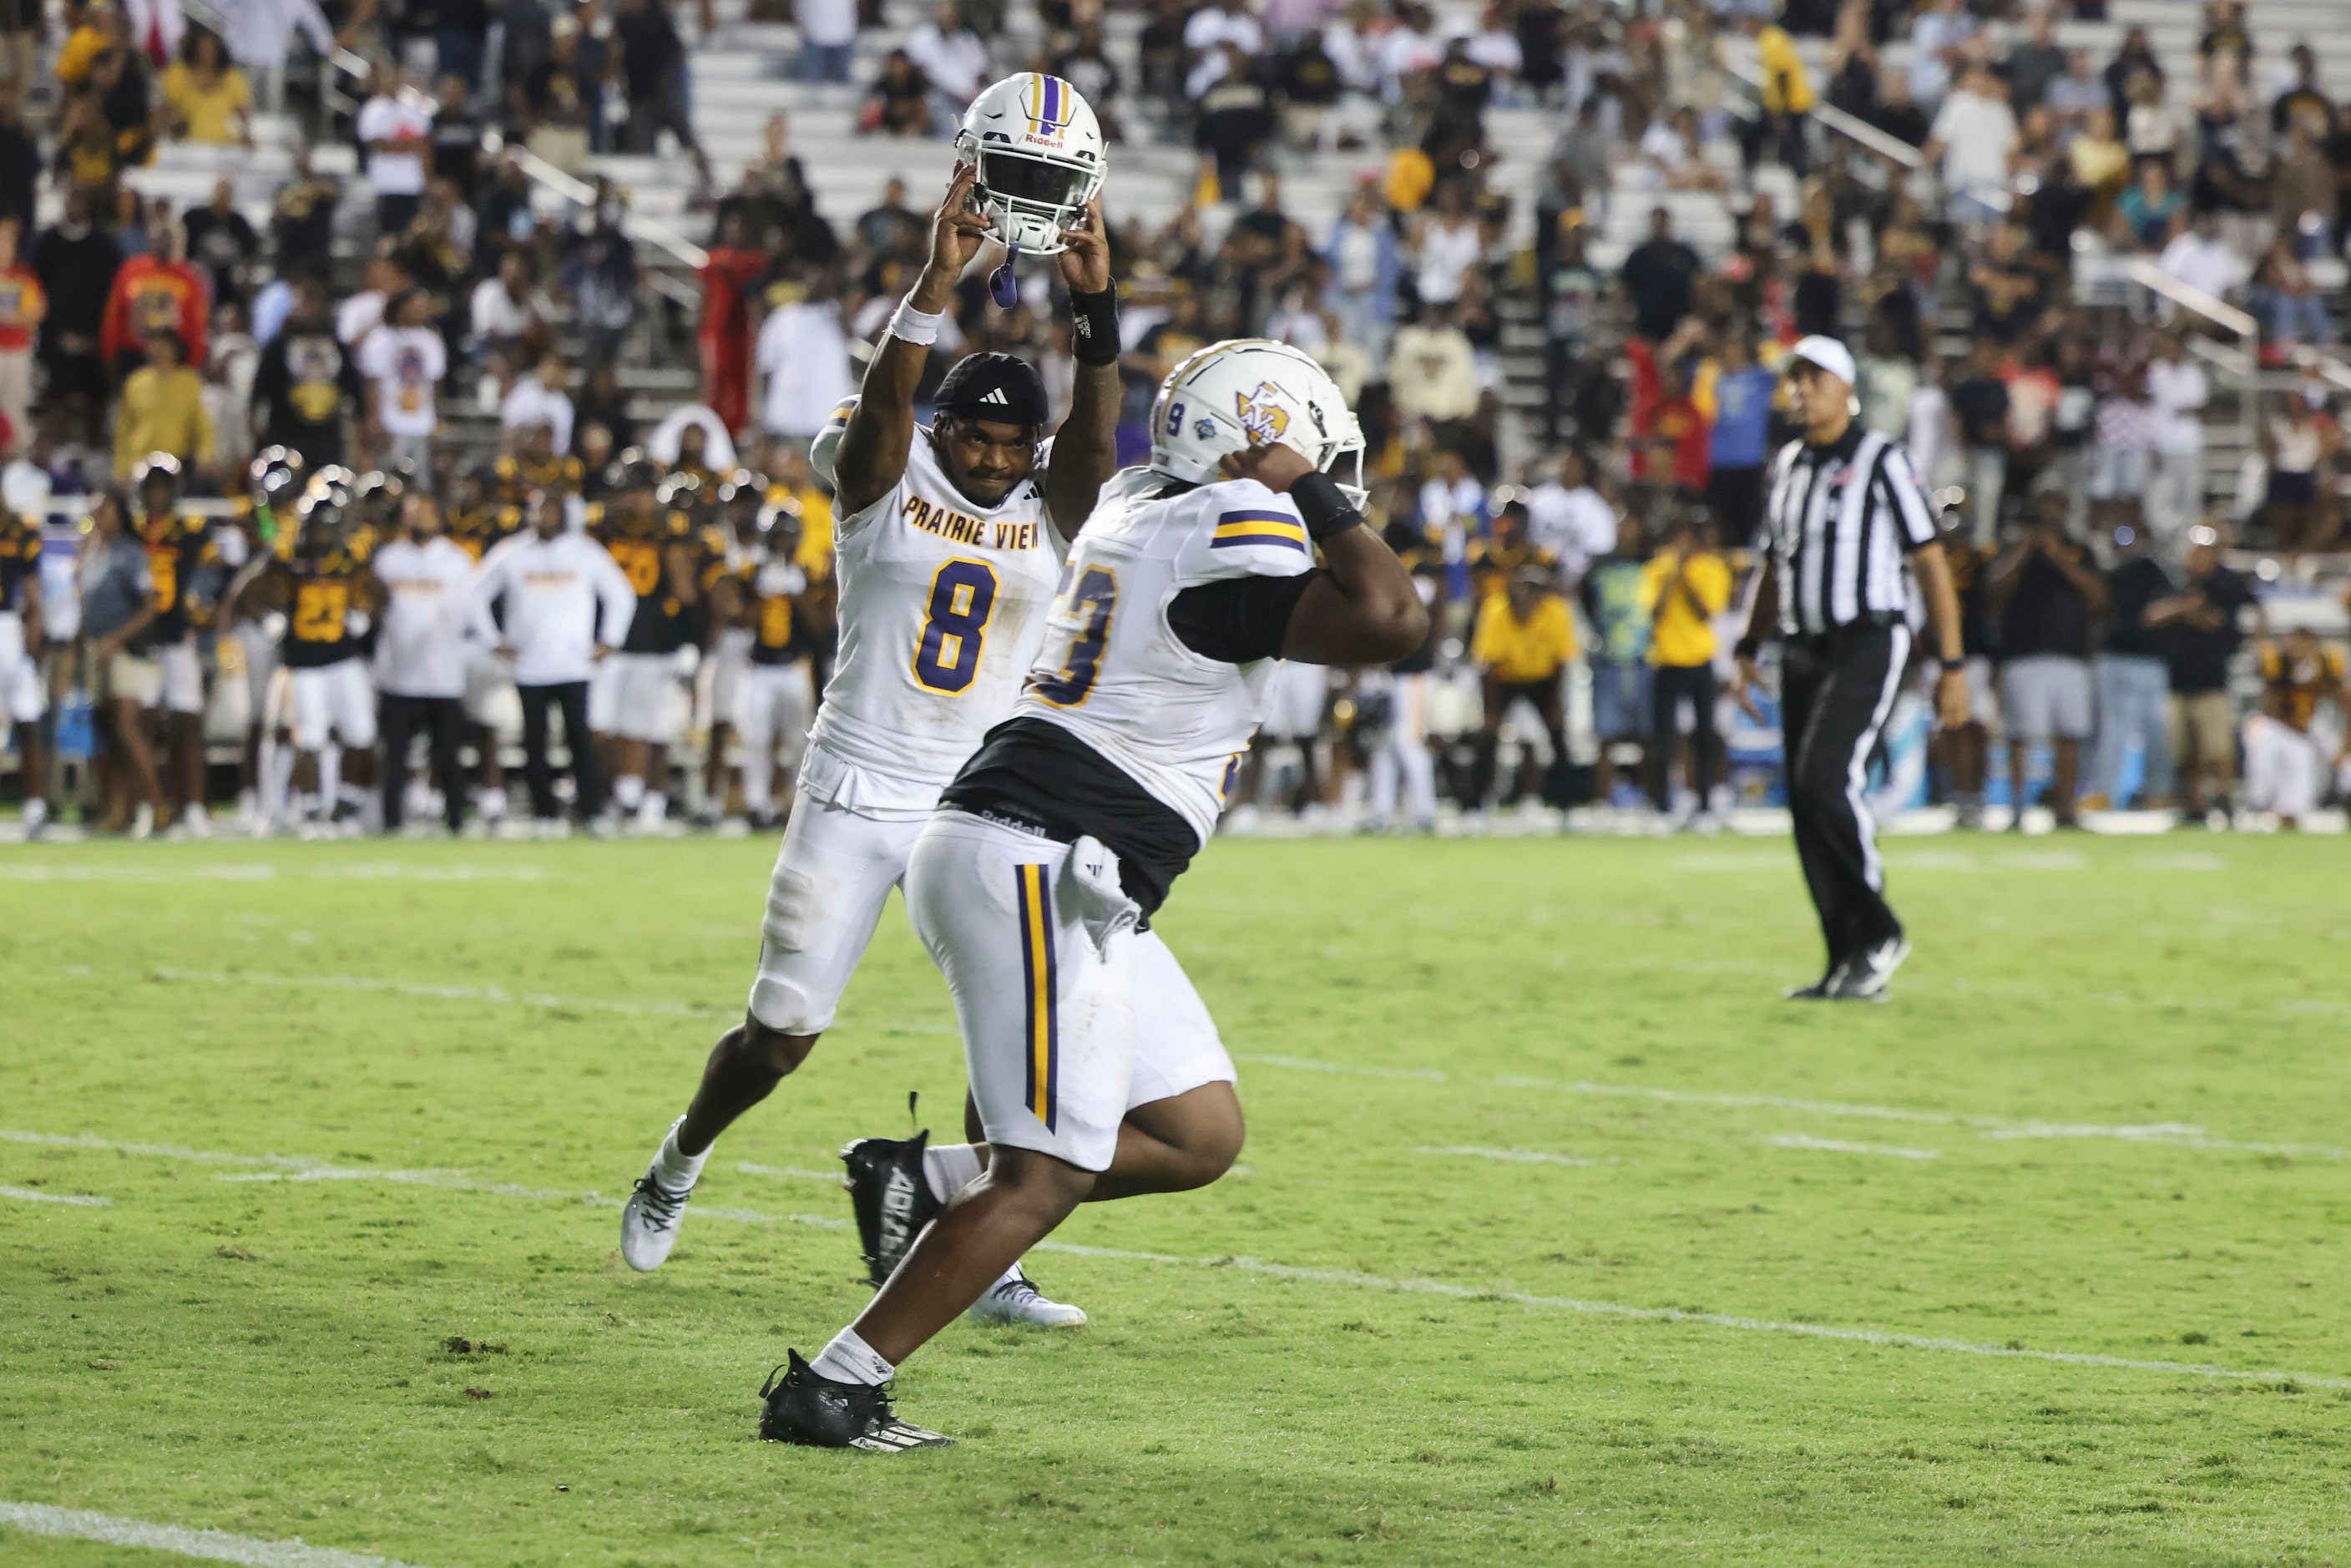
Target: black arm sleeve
1238, 620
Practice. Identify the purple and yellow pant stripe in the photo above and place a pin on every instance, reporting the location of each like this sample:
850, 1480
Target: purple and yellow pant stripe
1040, 978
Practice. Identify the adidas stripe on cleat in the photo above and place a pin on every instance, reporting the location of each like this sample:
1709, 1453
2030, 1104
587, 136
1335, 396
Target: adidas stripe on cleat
890, 1198
649, 1222
816, 1412
1016, 1299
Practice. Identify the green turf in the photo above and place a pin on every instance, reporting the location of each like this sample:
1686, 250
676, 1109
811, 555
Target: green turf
272, 1357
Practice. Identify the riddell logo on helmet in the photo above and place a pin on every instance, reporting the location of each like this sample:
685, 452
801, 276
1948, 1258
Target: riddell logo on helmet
1263, 418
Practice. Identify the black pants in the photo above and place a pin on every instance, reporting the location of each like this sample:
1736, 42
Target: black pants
442, 720
572, 697
1669, 684
1834, 695
1544, 697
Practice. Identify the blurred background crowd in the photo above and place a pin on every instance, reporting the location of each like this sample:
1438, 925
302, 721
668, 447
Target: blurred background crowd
470, 267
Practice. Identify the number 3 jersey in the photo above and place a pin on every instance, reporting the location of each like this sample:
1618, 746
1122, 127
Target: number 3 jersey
1153, 676
942, 607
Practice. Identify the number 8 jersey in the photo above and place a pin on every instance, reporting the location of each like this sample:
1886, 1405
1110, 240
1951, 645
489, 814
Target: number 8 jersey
942, 609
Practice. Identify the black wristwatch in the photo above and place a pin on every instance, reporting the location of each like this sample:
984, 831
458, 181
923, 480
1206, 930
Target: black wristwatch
1954, 666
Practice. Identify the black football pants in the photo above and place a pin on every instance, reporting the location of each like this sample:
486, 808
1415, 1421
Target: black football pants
442, 720
1835, 694
573, 698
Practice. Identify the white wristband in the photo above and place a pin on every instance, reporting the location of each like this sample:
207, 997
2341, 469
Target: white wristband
915, 327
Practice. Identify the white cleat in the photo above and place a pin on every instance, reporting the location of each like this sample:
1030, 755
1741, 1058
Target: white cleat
649, 1222
1013, 1299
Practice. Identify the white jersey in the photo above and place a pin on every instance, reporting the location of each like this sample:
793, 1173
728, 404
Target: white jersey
942, 609
1114, 674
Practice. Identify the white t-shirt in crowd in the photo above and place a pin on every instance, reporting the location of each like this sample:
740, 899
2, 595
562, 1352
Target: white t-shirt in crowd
804, 354
1978, 134
1446, 252
1575, 525
1212, 27
495, 313
955, 62
531, 402
428, 595
2206, 264
828, 24
2177, 392
383, 119
357, 317
406, 363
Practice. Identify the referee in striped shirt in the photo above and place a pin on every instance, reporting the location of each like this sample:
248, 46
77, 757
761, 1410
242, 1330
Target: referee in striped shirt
1849, 528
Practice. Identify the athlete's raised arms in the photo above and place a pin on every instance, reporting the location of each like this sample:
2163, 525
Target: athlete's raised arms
1085, 449
1362, 608
872, 454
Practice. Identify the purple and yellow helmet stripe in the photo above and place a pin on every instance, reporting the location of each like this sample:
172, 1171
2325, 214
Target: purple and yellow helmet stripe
1048, 102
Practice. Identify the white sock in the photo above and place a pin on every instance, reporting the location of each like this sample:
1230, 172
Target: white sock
492, 804
657, 804
675, 1169
949, 1168
628, 791
848, 1359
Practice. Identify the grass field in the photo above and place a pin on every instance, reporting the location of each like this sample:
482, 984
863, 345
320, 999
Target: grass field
352, 1108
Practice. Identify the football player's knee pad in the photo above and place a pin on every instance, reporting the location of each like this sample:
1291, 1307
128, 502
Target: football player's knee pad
791, 902
782, 1003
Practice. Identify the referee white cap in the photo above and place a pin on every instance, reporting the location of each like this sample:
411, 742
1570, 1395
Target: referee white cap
1828, 354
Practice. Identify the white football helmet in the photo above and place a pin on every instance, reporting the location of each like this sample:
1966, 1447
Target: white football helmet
1253, 391
1040, 152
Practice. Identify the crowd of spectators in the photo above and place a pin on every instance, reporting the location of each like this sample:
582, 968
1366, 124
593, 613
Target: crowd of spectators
1585, 539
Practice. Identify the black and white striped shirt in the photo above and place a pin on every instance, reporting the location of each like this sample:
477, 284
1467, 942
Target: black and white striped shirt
1843, 518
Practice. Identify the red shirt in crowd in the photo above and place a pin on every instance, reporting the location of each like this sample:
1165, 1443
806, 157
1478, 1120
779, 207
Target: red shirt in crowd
723, 335
150, 296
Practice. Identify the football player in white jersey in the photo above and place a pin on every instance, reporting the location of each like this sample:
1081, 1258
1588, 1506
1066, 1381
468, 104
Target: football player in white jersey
949, 547
1051, 850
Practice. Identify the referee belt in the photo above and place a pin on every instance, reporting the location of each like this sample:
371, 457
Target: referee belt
1836, 637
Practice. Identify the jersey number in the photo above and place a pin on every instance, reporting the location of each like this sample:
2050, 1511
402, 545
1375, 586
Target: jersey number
641, 564
775, 621
164, 566
946, 656
319, 611
1088, 601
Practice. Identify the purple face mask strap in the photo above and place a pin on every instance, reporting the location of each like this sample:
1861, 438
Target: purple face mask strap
1003, 287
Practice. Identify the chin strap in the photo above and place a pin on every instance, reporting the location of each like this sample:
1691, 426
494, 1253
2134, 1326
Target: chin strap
1003, 287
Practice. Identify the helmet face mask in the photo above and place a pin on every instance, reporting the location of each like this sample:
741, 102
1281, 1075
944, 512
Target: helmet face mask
1038, 149
1252, 391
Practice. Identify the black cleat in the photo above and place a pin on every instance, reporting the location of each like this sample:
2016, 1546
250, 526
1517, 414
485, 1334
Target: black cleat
817, 1413
1824, 990
1865, 978
892, 1199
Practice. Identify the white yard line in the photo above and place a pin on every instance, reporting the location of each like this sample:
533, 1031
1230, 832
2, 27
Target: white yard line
270, 871
791, 1172
1516, 1157
217, 1546
1838, 1146
27, 1195
493, 994
1351, 1280
2172, 1133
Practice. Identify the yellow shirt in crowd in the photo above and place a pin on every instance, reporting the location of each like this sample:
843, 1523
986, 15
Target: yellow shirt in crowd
1516, 651
1678, 635
210, 113
161, 413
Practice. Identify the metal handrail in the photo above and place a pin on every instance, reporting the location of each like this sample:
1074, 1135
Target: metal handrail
2219, 312
660, 235
1893, 148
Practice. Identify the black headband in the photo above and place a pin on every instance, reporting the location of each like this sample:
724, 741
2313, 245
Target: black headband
1002, 389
